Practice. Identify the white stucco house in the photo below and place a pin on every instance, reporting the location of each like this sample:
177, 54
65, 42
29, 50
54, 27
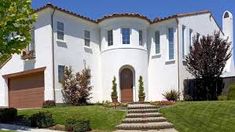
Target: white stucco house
122, 45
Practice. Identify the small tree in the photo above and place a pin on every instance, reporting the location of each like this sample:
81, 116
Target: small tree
76, 88
206, 62
84, 81
141, 89
70, 87
114, 90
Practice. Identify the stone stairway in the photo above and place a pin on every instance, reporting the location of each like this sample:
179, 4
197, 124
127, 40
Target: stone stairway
144, 117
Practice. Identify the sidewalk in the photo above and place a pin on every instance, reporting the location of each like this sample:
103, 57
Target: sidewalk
23, 128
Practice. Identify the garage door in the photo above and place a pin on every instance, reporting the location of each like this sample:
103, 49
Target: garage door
27, 90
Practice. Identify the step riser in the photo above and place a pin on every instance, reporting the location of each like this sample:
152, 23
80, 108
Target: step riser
144, 128
143, 116
144, 111
139, 121
146, 107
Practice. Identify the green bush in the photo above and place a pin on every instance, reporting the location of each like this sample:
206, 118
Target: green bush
77, 125
41, 120
48, 104
172, 95
222, 97
114, 88
231, 93
8, 114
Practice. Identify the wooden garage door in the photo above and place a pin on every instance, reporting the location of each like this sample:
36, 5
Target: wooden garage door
26, 91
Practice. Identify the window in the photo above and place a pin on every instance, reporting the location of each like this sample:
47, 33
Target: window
125, 36
110, 37
157, 42
87, 38
61, 73
190, 37
60, 30
140, 37
171, 43
183, 42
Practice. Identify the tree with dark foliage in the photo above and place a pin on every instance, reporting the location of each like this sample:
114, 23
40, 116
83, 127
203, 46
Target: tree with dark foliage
206, 62
76, 88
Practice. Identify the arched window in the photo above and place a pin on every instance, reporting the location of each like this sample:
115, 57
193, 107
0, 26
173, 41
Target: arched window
226, 15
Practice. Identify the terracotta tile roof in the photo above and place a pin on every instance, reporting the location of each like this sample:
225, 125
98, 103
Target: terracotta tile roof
65, 11
124, 15
158, 19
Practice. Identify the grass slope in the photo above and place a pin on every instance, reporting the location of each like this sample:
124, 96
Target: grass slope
101, 118
214, 116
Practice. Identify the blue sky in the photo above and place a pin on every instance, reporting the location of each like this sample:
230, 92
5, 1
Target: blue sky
150, 8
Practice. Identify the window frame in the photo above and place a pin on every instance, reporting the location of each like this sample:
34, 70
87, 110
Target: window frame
141, 38
157, 39
87, 38
60, 30
110, 37
171, 44
126, 33
183, 41
61, 77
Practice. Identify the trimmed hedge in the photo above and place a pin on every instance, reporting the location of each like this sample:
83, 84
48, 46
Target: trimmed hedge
77, 125
231, 93
41, 120
8, 114
49, 104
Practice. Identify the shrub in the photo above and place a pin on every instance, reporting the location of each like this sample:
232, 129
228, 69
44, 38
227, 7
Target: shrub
114, 88
172, 95
222, 97
41, 120
141, 87
188, 98
77, 125
48, 104
8, 114
76, 88
231, 93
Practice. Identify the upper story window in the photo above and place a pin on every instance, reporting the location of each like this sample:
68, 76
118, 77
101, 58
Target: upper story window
61, 73
183, 42
125, 35
190, 37
170, 43
60, 30
87, 38
157, 42
110, 37
141, 37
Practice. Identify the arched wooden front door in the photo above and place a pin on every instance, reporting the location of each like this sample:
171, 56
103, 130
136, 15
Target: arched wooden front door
126, 83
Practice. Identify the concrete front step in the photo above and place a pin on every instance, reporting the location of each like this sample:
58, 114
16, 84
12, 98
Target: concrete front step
142, 110
144, 120
141, 115
141, 106
160, 130
144, 126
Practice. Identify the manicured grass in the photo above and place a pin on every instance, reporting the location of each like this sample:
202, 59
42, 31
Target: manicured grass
101, 118
213, 116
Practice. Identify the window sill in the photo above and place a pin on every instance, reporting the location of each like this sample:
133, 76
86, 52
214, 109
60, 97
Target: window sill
60, 41
156, 55
170, 62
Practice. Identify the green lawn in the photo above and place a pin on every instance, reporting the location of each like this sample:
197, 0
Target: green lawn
101, 118
213, 116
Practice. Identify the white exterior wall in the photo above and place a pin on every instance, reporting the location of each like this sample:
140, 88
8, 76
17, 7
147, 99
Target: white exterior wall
203, 24
43, 59
73, 52
162, 71
117, 56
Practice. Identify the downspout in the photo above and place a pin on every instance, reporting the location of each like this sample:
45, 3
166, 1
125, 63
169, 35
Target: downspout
178, 61
53, 50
